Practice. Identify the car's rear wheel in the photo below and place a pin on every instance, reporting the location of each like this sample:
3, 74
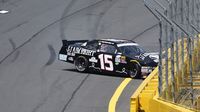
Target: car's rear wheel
81, 63
135, 71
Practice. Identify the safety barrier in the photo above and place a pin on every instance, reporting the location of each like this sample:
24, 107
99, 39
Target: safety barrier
175, 85
145, 92
147, 99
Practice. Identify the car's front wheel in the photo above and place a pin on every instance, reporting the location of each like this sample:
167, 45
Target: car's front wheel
81, 63
135, 71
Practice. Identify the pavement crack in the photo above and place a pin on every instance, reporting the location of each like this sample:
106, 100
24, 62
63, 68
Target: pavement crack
74, 93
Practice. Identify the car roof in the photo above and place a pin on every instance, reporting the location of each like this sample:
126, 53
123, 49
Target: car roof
117, 41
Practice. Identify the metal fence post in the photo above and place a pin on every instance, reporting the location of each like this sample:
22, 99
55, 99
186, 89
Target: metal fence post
172, 25
190, 65
182, 43
166, 55
192, 22
160, 60
198, 27
172, 53
189, 46
172, 62
177, 44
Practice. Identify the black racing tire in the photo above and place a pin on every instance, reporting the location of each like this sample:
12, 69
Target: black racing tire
81, 64
135, 71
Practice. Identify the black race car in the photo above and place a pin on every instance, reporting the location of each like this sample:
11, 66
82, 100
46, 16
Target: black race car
108, 55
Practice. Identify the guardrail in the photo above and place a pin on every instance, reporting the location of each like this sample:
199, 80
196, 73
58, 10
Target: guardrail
146, 98
178, 77
145, 92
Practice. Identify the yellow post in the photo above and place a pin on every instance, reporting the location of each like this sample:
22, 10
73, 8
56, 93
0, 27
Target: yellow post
198, 104
134, 104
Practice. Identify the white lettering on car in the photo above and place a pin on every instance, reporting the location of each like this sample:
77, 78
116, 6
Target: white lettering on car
106, 59
77, 50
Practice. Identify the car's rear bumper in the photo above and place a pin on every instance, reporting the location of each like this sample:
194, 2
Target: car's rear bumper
62, 57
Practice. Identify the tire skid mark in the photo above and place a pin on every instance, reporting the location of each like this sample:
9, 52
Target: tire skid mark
43, 29
52, 55
64, 23
101, 15
14, 47
53, 88
16, 56
144, 31
74, 93
12, 44
40, 104
14, 3
66, 11
11, 1
63, 26
42, 74
14, 27
50, 61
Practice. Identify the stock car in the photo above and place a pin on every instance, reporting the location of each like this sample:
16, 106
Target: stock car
108, 55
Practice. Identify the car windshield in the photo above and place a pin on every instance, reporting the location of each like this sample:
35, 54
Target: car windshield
131, 51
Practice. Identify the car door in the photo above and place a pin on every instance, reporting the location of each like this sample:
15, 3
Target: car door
106, 57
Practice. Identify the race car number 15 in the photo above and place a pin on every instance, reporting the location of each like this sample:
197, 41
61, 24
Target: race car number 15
106, 59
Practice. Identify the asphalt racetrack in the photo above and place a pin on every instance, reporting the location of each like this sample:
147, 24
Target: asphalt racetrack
31, 77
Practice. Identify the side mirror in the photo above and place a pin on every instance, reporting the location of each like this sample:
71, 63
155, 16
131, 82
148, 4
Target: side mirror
84, 44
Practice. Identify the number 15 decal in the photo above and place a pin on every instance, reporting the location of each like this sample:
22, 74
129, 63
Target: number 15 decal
106, 59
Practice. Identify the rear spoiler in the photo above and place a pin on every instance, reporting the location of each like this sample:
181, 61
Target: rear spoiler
67, 42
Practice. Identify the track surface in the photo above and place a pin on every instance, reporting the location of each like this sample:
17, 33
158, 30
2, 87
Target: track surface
31, 77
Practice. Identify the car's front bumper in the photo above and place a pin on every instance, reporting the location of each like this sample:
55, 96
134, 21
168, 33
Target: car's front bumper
146, 70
